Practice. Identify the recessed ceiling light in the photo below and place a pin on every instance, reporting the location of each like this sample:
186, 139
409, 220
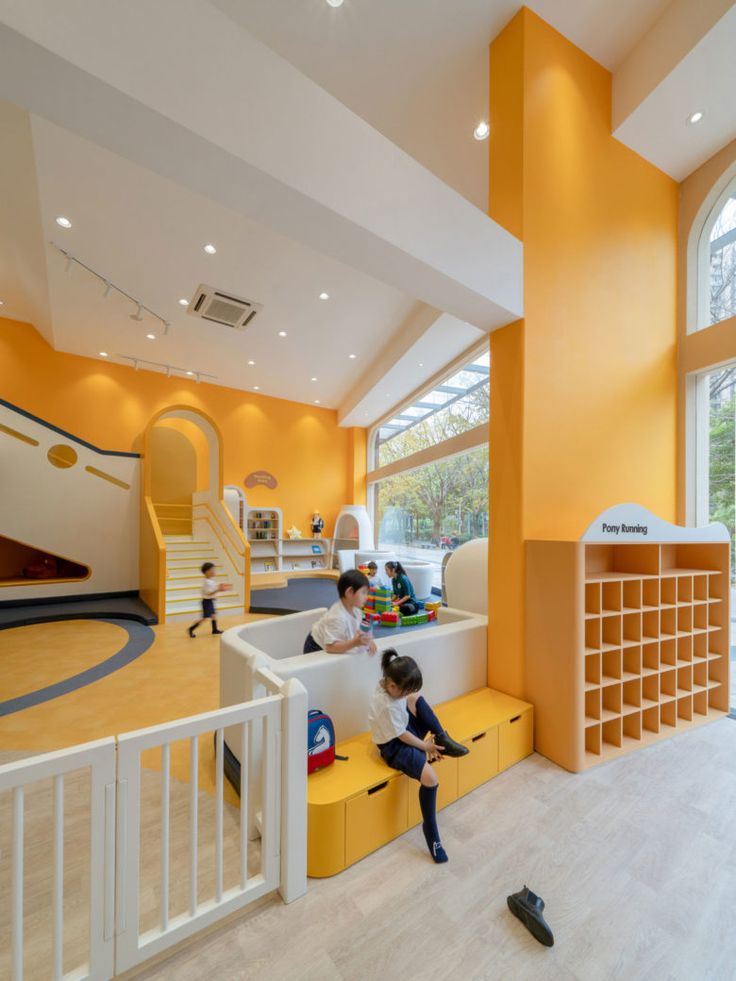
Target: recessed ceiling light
694, 118
151, 337
421, 364
255, 388
335, 3
282, 333
481, 131
251, 363
352, 356
183, 302
316, 401
103, 354
210, 249
64, 222
314, 379
324, 296
1, 302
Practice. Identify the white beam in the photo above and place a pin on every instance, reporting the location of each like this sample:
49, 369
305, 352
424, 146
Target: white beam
178, 88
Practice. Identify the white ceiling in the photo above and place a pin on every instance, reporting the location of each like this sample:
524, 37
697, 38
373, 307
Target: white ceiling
146, 233
417, 70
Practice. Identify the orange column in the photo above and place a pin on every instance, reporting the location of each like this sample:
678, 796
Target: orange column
583, 408
357, 463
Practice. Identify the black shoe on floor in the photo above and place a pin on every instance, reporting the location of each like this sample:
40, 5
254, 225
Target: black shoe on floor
451, 746
528, 907
218, 631
190, 631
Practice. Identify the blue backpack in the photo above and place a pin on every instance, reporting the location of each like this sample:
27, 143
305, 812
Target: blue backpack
320, 740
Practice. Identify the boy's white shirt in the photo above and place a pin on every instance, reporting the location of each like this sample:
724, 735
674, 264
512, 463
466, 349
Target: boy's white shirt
209, 587
337, 625
388, 717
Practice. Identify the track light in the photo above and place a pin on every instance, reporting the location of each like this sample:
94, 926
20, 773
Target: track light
138, 315
166, 327
69, 261
108, 287
135, 364
168, 371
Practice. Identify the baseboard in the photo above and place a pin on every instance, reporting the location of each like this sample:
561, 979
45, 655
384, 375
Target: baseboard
75, 598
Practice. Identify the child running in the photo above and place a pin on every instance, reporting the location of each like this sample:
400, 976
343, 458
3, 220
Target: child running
210, 589
409, 736
338, 630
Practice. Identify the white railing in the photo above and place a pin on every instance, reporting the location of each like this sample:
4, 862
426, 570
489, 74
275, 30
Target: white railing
99, 758
115, 938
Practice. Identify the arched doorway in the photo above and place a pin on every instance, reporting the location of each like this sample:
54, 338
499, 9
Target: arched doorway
184, 521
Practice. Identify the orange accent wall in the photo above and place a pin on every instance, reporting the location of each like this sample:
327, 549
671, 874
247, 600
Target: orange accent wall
357, 466
110, 405
597, 415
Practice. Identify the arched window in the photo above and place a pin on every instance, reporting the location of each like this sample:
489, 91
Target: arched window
717, 262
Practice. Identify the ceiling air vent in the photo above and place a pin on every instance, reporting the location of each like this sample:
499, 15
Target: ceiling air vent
223, 308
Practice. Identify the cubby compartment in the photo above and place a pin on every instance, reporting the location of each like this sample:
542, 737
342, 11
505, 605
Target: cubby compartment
611, 597
650, 659
592, 598
668, 592
667, 685
592, 705
700, 676
686, 558
717, 584
685, 649
650, 719
611, 633
650, 626
631, 595
592, 636
684, 619
650, 691
631, 663
621, 561
668, 714
611, 698
610, 667
700, 647
684, 589
593, 739
700, 618
685, 707
592, 670
667, 654
631, 629
684, 680
714, 615
700, 589
611, 732
700, 703
718, 697
632, 726
631, 696
650, 594
667, 623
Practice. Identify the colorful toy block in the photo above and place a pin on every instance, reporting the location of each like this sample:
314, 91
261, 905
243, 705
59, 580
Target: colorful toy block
431, 615
389, 619
432, 606
381, 599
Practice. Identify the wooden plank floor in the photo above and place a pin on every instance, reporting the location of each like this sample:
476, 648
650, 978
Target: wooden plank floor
636, 861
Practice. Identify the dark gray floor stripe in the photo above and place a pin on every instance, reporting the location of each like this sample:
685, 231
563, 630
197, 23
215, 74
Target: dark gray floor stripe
140, 638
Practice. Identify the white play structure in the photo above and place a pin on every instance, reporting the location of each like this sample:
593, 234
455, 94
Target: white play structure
466, 577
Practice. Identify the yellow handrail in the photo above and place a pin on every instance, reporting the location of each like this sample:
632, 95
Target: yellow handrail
152, 561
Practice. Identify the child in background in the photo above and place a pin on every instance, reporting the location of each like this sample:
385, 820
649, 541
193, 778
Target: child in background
338, 630
400, 721
373, 578
404, 596
210, 589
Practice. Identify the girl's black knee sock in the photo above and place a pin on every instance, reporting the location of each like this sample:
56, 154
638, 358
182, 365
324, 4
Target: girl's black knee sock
428, 804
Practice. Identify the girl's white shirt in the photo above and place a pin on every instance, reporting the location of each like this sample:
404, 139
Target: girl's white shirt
337, 625
388, 717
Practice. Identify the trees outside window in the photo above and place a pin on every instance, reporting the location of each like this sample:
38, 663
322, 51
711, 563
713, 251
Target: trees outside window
722, 267
722, 451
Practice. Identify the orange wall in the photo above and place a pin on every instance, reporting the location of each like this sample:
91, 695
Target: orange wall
110, 406
598, 412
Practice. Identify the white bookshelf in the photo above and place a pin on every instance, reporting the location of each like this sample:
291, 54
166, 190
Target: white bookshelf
304, 554
263, 529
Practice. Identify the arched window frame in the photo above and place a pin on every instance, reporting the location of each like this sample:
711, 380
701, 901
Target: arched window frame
698, 271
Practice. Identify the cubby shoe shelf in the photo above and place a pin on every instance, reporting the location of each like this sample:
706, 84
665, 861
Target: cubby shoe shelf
644, 656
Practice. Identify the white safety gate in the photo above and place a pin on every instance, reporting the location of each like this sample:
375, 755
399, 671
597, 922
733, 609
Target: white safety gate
116, 941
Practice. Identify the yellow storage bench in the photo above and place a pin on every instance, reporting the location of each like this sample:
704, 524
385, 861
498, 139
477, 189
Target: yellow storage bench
355, 806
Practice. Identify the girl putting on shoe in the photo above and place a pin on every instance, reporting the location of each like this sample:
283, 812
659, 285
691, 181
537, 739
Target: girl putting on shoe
409, 736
